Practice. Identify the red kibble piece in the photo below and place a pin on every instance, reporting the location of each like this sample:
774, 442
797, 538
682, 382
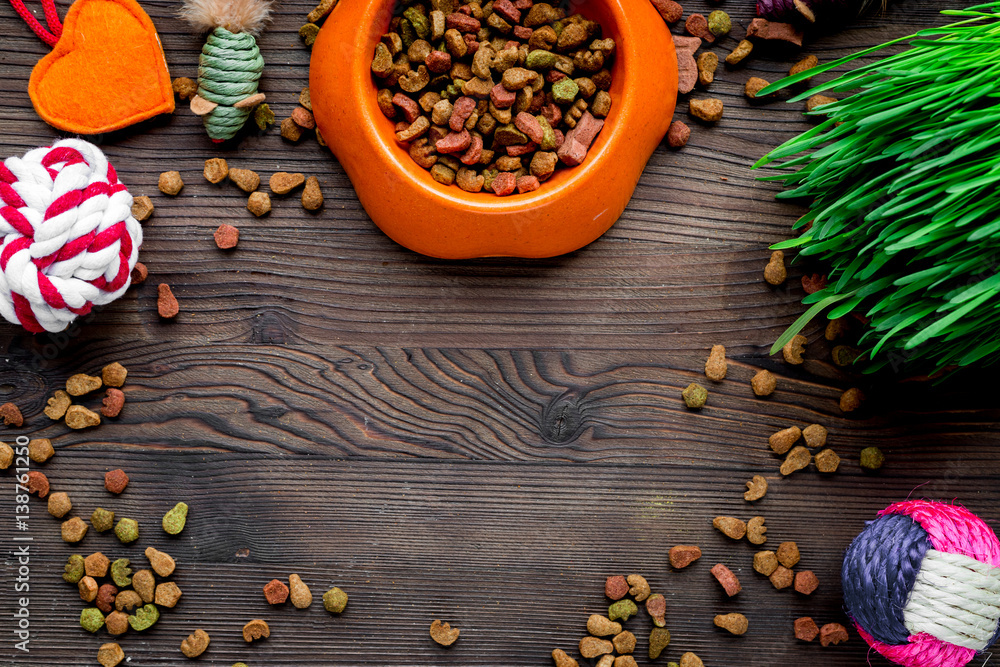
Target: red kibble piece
727, 579
522, 32
462, 23
38, 483
115, 481
438, 61
113, 402
554, 75
616, 587
303, 118
475, 151
11, 415
166, 302
276, 592
697, 25
227, 236
504, 184
560, 138
139, 273
517, 150
528, 184
530, 126
670, 11
523, 4
806, 582
410, 109
471, 45
814, 283
678, 134
552, 113
460, 112
805, 629
832, 633
507, 10
502, 98
455, 142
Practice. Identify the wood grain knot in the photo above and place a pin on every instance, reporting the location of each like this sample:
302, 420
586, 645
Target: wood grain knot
561, 420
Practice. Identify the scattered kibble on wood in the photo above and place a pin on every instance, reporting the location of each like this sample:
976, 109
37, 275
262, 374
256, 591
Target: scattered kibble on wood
730, 584
623, 609
797, 459
872, 458
592, 647
794, 349
170, 183
175, 519
694, 396
764, 383
806, 629
806, 63
290, 130
788, 554
113, 402
742, 50
781, 578
275, 592
827, 461
715, 366
783, 440
216, 170
851, 400
638, 587
79, 417
708, 62
256, 629
817, 101
142, 208
814, 435
656, 607
166, 302
162, 563
659, 639
753, 86
195, 644
678, 134
73, 530
226, 237
756, 530
114, 374
765, 562
127, 530
245, 179
115, 480
139, 274
832, 633
736, 624
110, 655
40, 450
259, 203
806, 582
37, 483
57, 405
312, 196
184, 87
602, 626
731, 527
443, 633
709, 110
775, 272
756, 489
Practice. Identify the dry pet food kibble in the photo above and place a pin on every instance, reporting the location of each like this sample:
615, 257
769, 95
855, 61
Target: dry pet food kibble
109, 655
170, 182
335, 600
58, 405
11, 415
764, 383
106, 595
781, 578
114, 374
96, 565
245, 179
817, 101
623, 609
708, 62
806, 582
175, 519
736, 624
282, 182
87, 586
127, 601
656, 607
144, 618
670, 11
851, 400
602, 626
196, 644
872, 458
715, 367
37, 483
81, 384
299, 593
709, 110
226, 237
659, 639
832, 633
591, 647
815, 436
678, 134
163, 564
729, 526
312, 196
753, 86
113, 402
142, 208
256, 629
783, 440
79, 417
638, 587
827, 461
290, 130
765, 562
127, 530
216, 170
794, 349
259, 203
694, 396
6, 455
275, 592
73, 530
121, 573
115, 481
806, 629
691, 660
775, 272
624, 642
756, 530
102, 519
726, 579
742, 50
756, 489
40, 450
616, 587
139, 274
683, 555
74, 570
91, 619
788, 554
687, 66
697, 25
797, 459
443, 633
116, 622
561, 659
144, 584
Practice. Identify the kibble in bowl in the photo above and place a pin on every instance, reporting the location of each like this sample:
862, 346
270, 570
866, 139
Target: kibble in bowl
572, 207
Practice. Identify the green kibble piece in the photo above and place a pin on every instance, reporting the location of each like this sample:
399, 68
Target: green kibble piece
102, 519
540, 59
127, 530
669, 664
695, 396
121, 573
509, 135
263, 116
623, 609
407, 34
334, 600
564, 91
174, 520
659, 639
419, 21
872, 458
548, 142
74, 569
308, 33
91, 619
719, 23
144, 617
240, 664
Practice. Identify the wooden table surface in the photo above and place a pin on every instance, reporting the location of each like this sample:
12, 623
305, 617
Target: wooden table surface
483, 441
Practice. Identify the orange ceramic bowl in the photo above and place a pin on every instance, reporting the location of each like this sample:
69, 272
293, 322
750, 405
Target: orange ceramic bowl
570, 210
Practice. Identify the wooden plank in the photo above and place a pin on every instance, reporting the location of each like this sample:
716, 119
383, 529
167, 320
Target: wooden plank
514, 555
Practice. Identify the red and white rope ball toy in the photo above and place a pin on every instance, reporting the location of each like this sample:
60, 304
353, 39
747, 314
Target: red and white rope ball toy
69, 240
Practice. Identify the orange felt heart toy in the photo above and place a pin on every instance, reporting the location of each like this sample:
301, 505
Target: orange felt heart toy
106, 72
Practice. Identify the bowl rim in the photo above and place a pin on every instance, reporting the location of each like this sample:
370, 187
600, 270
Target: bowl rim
624, 91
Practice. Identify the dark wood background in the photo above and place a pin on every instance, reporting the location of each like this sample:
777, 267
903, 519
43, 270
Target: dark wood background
483, 441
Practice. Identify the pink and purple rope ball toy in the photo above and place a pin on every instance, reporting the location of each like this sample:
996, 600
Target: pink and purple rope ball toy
922, 584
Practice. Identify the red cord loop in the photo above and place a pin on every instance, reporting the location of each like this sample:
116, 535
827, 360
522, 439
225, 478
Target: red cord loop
50, 36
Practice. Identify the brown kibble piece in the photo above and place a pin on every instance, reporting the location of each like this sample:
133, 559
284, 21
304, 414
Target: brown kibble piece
226, 237
691, 660
591, 647
114, 374
756, 530
764, 383
322, 9
781, 578
806, 582
670, 11
290, 130
259, 203
708, 62
851, 399
139, 274
256, 629
196, 643
105, 600
783, 440
145, 585
116, 622
142, 208
616, 587
163, 564
709, 110
736, 624
731, 527
742, 50
299, 593
561, 659
805, 629
788, 554
110, 655
184, 87
305, 99
775, 272
837, 328
794, 349
818, 101
73, 530
303, 118
765, 562
59, 504
113, 402
88, 589
58, 405
625, 661
40, 450
245, 179
116, 480
127, 601
276, 592
815, 436
443, 633
170, 182
81, 384
827, 461
715, 367
96, 565
166, 302
656, 607
167, 594
11, 415
638, 587
805, 64
602, 626
312, 196
726, 579
772, 31
216, 170
683, 555
37, 483
832, 633
756, 488
678, 134
6, 455
624, 642
283, 182
797, 459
